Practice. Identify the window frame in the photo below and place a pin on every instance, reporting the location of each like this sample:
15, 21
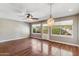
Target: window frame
71, 36
32, 28
42, 27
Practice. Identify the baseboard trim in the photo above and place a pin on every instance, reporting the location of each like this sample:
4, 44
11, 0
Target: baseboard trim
13, 39
58, 42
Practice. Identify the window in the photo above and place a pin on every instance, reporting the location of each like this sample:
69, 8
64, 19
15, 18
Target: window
45, 28
56, 29
36, 28
63, 28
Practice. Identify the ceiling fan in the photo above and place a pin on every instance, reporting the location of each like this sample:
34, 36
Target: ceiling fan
30, 16
27, 15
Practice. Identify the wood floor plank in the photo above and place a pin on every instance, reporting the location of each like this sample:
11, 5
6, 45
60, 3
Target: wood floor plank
36, 47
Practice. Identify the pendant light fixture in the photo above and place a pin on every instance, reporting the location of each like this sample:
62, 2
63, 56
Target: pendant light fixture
50, 20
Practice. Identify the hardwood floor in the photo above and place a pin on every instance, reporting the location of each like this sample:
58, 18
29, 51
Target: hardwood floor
36, 47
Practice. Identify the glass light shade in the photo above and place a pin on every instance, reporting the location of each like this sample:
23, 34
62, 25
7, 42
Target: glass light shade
50, 22
29, 19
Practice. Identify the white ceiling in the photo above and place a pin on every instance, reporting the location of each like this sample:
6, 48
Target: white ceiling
15, 11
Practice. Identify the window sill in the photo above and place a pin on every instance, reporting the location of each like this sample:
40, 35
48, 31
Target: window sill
36, 33
63, 36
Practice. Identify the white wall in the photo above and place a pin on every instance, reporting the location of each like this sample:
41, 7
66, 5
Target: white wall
10, 30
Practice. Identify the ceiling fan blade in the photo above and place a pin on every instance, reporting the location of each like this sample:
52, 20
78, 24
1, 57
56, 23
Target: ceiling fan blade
21, 16
35, 18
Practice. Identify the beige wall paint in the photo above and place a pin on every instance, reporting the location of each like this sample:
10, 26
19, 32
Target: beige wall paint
10, 30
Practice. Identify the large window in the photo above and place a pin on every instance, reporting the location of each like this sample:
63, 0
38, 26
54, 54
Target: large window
63, 28
36, 28
45, 28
